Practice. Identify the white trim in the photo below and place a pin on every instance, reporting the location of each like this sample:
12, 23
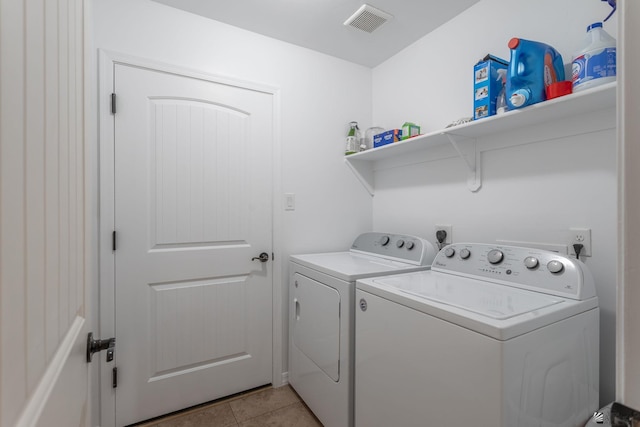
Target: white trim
106, 63
121, 58
620, 295
91, 204
278, 232
30, 415
106, 284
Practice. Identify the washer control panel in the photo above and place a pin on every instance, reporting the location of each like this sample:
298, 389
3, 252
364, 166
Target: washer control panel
401, 247
526, 268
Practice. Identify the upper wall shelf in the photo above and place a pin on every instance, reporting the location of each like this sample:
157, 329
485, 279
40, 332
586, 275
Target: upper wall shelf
573, 105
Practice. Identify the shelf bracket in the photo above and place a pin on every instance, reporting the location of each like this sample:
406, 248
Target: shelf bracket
364, 172
473, 162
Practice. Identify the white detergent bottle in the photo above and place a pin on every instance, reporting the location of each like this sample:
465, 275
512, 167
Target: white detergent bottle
595, 63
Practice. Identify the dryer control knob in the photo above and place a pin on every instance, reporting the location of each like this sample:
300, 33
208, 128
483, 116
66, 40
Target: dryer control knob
449, 252
400, 243
464, 253
495, 256
555, 266
531, 262
384, 241
410, 245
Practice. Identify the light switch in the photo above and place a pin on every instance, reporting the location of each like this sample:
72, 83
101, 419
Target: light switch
289, 202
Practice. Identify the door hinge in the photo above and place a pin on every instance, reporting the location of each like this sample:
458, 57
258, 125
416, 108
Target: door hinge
114, 377
113, 103
113, 241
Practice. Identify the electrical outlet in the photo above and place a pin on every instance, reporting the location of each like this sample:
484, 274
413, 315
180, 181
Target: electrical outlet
582, 236
447, 229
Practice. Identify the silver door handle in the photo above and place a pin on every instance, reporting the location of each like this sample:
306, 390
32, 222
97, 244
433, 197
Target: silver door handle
263, 257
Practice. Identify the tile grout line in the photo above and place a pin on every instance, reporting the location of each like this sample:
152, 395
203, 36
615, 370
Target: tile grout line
266, 413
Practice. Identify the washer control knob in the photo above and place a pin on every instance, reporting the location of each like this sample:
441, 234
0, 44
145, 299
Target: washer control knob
384, 241
495, 256
555, 266
400, 243
531, 262
449, 252
464, 253
410, 245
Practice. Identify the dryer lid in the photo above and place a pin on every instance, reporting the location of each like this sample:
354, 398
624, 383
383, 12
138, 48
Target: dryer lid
351, 266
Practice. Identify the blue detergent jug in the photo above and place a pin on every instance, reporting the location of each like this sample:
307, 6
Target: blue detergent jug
533, 66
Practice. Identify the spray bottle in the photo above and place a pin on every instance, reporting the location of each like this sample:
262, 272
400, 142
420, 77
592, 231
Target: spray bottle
352, 139
501, 102
614, 5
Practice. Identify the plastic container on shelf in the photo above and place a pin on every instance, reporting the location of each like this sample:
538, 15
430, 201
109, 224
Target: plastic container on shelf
595, 63
533, 66
369, 134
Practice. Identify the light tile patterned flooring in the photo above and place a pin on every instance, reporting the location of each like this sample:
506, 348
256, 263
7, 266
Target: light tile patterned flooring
266, 407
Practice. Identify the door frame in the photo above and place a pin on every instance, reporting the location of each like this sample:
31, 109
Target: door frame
106, 287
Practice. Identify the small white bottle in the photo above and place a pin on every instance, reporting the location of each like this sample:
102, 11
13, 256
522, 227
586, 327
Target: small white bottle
595, 63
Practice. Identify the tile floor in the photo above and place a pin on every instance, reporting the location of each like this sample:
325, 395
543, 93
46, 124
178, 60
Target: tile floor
265, 407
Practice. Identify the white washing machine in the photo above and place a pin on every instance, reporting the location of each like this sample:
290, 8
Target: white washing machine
321, 316
493, 336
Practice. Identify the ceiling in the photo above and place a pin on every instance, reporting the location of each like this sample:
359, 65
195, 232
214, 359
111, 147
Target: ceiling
318, 24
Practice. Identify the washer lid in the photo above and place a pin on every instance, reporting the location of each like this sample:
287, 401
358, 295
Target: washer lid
351, 266
484, 298
498, 311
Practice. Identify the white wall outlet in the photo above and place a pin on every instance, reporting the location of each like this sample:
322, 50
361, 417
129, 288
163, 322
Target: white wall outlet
581, 236
448, 229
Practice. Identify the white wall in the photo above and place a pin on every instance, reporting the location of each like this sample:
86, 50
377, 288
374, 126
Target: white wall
319, 95
533, 192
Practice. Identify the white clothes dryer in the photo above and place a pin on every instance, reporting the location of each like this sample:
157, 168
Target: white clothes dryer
321, 316
493, 336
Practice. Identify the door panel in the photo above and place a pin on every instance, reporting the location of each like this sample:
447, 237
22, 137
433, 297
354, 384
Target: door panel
192, 207
45, 255
198, 178
180, 313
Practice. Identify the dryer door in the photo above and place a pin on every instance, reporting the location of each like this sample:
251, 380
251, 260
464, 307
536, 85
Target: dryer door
316, 323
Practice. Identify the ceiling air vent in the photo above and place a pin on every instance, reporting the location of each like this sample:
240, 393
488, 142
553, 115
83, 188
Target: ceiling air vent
368, 18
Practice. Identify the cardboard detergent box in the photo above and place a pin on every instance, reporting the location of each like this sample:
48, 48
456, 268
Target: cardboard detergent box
384, 138
487, 83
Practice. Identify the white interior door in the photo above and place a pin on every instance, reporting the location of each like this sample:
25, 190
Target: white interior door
193, 311
45, 255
